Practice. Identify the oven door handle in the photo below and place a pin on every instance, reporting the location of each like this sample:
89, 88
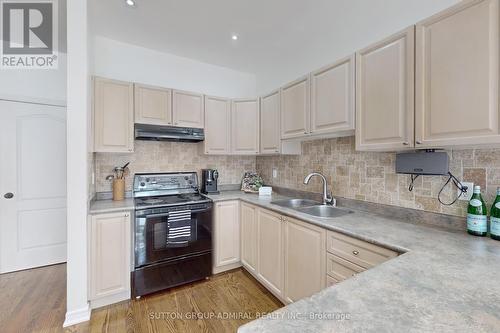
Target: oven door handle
166, 214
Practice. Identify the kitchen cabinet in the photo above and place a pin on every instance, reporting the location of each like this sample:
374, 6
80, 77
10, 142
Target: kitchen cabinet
226, 236
245, 126
333, 98
270, 137
248, 215
305, 259
113, 113
153, 105
348, 256
270, 250
295, 108
361, 253
385, 94
217, 126
457, 76
110, 258
187, 109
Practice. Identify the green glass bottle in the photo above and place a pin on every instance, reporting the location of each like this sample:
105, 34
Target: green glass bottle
477, 214
495, 217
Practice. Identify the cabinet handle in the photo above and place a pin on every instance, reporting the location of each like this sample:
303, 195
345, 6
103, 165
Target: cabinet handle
355, 252
405, 143
418, 142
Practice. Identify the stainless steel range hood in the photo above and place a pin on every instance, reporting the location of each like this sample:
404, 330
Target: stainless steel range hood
168, 133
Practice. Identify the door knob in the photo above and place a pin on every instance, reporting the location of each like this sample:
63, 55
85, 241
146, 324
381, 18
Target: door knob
8, 195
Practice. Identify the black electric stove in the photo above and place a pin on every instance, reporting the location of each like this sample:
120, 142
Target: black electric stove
173, 232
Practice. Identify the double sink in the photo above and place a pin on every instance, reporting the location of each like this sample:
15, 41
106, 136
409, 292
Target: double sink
312, 207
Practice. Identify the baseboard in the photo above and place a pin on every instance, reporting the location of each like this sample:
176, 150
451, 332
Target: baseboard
77, 316
112, 299
220, 269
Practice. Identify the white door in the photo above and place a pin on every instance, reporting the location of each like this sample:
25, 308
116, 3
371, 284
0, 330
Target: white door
32, 185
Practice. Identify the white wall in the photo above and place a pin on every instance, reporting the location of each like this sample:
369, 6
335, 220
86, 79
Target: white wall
39, 85
117, 60
355, 29
77, 308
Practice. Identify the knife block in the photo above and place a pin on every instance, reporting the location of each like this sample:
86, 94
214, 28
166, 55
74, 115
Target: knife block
118, 189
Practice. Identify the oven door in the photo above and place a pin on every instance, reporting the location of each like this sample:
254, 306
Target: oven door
172, 235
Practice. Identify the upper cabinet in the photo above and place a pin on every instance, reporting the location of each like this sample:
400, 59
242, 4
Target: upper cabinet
187, 109
295, 108
270, 140
385, 93
113, 116
332, 98
217, 125
457, 76
153, 105
245, 126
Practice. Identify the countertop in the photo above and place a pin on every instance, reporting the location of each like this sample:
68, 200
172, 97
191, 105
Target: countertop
110, 206
445, 282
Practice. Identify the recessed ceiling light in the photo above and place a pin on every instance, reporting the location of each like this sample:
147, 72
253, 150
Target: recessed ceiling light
130, 2
234, 37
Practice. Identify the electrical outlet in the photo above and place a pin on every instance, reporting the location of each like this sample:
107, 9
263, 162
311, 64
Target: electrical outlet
467, 195
275, 173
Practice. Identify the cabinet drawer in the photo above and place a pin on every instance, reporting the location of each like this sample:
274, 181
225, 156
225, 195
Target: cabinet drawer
359, 252
340, 269
330, 281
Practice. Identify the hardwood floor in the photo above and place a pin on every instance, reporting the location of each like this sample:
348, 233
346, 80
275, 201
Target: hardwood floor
34, 301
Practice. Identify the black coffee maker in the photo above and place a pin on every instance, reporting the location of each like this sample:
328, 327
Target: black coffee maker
209, 181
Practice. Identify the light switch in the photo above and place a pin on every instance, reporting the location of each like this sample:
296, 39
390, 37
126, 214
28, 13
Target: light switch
275, 173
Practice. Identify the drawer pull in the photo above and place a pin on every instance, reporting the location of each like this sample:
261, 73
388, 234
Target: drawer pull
355, 252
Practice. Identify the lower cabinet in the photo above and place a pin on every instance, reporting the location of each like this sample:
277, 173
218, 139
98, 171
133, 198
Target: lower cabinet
304, 259
347, 256
290, 254
110, 258
270, 262
248, 216
291, 258
226, 236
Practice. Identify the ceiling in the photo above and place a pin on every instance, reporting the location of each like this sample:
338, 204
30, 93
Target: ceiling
274, 35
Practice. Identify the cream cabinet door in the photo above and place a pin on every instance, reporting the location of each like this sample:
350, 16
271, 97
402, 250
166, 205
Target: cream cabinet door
332, 98
217, 126
227, 233
457, 76
110, 254
305, 259
153, 105
245, 126
270, 136
113, 116
248, 215
270, 260
187, 109
385, 94
295, 108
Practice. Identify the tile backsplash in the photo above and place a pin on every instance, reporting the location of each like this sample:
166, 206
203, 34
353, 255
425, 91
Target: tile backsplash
370, 176
153, 156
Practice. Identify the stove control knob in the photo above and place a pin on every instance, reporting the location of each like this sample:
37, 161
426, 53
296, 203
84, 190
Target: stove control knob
147, 180
186, 177
143, 184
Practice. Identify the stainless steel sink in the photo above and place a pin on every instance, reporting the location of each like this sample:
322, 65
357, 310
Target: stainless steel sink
295, 203
324, 211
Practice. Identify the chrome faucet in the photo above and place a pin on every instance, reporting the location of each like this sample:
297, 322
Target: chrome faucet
327, 196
